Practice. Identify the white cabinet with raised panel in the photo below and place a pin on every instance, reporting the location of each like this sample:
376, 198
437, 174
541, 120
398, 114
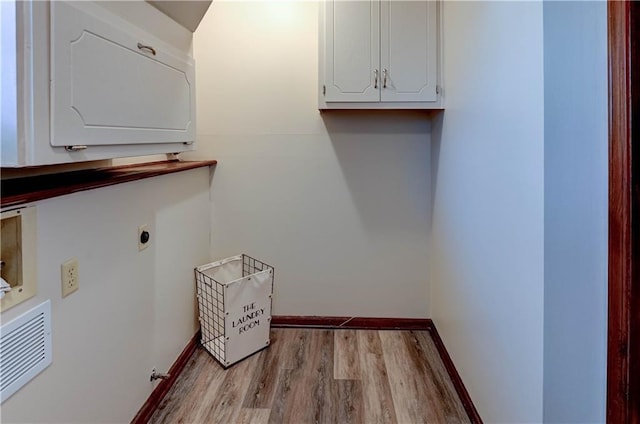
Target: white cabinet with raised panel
352, 51
114, 84
90, 83
379, 54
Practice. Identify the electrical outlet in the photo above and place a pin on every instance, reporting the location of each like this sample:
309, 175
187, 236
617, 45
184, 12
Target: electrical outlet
70, 281
144, 237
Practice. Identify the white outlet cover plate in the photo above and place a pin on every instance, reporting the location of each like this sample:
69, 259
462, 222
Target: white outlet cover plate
69, 277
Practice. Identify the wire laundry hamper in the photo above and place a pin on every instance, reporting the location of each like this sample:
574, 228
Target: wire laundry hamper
234, 302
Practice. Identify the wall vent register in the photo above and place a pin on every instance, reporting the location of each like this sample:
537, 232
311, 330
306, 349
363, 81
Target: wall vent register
25, 348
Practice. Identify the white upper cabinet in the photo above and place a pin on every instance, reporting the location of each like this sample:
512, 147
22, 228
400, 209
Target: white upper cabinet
352, 51
94, 80
408, 49
113, 84
379, 54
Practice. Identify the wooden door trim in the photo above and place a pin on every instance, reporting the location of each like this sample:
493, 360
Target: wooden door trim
624, 300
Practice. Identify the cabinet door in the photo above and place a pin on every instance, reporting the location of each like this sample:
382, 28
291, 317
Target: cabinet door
112, 83
352, 51
408, 38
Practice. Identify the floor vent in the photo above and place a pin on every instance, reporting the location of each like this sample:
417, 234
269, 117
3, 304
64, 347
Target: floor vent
25, 348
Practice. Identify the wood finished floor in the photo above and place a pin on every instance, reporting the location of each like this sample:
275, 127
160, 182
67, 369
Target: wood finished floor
320, 376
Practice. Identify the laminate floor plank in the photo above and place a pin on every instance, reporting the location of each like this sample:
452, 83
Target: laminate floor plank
263, 385
227, 401
210, 377
411, 396
319, 378
437, 395
346, 365
167, 411
349, 402
291, 381
378, 402
448, 399
310, 376
297, 340
307, 391
288, 383
253, 416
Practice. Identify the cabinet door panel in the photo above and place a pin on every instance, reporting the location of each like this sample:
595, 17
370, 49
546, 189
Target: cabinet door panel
106, 90
352, 50
408, 50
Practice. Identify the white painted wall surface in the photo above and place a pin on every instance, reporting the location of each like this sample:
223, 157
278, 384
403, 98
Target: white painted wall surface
133, 311
338, 203
576, 208
151, 20
487, 286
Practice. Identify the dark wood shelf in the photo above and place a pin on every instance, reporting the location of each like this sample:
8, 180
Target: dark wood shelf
17, 191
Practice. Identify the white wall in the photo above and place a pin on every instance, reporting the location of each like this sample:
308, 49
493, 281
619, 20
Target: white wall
133, 311
338, 202
487, 287
576, 207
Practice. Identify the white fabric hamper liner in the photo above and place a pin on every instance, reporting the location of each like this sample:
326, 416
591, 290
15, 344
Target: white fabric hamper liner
234, 301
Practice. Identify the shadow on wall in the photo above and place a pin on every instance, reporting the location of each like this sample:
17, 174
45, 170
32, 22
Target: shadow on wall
436, 145
384, 157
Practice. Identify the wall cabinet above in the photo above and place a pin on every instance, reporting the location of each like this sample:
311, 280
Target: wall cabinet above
379, 55
115, 85
90, 85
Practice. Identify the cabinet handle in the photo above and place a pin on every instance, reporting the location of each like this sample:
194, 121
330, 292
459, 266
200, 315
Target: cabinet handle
76, 148
143, 47
384, 82
375, 82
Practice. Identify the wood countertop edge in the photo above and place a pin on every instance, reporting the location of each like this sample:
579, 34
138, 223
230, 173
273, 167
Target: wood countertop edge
19, 191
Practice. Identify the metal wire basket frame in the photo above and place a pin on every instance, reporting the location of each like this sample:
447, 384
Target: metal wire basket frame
211, 302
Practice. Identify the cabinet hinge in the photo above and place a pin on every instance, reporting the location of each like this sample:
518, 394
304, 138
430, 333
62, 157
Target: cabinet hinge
74, 148
324, 90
